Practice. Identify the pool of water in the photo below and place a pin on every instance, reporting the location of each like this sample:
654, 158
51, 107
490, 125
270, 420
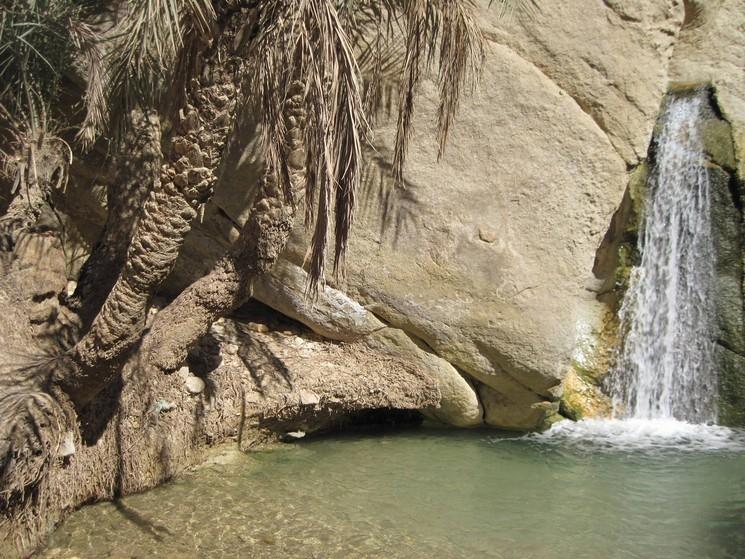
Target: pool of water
591, 490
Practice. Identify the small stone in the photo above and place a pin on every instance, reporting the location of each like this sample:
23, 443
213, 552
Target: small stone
294, 435
67, 447
487, 235
195, 385
163, 406
72, 285
184, 372
308, 398
230, 349
257, 327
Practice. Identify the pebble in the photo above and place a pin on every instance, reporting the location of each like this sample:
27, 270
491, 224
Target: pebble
195, 385
488, 235
308, 398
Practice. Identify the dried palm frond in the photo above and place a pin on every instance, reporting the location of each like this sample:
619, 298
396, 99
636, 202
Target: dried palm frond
444, 31
509, 7
350, 56
88, 44
303, 41
430, 27
148, 44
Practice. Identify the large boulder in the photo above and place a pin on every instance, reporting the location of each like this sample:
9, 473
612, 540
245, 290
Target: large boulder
335, 316
487, 256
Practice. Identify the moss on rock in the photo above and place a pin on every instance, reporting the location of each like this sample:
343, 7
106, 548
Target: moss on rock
717, 139
731, 387
583, 400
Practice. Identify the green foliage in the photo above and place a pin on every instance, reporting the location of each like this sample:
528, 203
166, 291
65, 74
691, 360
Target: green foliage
36, 47
42, 40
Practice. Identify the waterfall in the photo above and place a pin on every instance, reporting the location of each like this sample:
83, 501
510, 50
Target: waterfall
666, 367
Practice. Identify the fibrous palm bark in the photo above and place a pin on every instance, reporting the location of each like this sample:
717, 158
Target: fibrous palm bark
186, 181
181, 324
40, 165
137, 168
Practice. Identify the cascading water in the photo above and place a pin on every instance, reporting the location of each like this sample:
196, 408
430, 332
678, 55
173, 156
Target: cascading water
666, 368
664, 384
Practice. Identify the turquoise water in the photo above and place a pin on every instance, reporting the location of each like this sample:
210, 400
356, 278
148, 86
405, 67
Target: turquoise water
581, 492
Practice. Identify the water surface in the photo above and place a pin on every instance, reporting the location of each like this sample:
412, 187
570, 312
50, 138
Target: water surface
589, 490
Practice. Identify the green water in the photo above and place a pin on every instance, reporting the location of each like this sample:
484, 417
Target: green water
426, 493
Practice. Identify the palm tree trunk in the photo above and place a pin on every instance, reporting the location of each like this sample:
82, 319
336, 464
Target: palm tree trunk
185, 183
179, 326
137, 170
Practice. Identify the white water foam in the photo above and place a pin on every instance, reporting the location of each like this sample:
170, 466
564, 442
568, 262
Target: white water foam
642, 434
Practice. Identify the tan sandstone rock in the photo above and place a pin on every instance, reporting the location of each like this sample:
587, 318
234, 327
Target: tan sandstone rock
526, 161
610, 57
711, 49
487, 255
335, 316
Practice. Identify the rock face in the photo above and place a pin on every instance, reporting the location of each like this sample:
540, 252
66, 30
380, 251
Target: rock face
486, 257
711, 49
335, 316
611, 57
726, 198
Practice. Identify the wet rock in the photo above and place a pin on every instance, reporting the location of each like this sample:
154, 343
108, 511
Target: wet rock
583, 400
